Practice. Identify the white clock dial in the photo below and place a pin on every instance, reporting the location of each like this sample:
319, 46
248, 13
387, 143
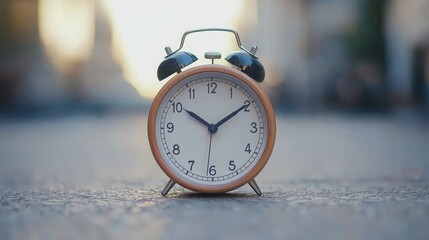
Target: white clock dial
211, 129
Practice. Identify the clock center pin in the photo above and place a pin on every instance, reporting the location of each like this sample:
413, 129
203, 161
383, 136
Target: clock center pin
213, 128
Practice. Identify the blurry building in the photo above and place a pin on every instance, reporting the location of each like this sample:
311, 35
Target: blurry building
314, 54
25, 72
57, 53
360, 54
355, 54
103, 81
407, 39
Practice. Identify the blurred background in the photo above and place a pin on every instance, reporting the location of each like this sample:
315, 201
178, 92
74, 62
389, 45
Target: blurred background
357, 55
349, 81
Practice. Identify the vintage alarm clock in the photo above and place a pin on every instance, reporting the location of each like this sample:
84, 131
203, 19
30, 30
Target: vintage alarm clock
211, 128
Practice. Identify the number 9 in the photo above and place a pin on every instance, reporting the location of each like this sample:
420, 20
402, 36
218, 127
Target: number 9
170, 127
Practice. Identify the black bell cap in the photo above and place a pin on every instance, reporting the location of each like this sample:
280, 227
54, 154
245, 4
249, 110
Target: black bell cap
248, 64
173, 63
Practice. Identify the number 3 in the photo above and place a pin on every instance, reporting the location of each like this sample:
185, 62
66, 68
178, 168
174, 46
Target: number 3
254, 127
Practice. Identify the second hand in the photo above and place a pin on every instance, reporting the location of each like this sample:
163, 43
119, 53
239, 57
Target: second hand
208, 158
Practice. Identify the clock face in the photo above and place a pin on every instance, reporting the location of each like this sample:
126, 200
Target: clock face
211, 130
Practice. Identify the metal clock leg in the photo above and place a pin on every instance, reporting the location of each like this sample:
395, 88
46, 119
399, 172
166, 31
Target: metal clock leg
255, 187
167, 187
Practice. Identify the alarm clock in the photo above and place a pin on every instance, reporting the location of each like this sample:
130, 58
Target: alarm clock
211, 128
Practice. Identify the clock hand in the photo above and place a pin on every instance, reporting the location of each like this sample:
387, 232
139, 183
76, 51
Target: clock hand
214, 127
192, 114
208, 158
229, 116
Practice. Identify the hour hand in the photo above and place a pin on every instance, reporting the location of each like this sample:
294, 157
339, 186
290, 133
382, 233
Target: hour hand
192, 114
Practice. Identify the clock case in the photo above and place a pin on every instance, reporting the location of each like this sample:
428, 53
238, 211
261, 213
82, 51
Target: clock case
246, 68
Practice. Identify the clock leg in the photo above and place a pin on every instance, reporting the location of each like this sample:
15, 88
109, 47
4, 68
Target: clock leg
255, 187
167, 187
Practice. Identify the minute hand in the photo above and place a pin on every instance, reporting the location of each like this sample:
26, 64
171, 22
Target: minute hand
218, 124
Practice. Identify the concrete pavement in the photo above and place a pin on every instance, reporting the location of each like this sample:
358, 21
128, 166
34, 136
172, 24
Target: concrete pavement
330, 177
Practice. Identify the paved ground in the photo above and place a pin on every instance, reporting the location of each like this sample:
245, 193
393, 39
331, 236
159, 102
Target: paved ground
330, 177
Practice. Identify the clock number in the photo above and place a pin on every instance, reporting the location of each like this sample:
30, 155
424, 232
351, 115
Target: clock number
247, 149
191, 93
230, 91
254, 127
192, 164
247, 104
231, 165
170, 127
212, 170
177, 107
176, 149
211, 87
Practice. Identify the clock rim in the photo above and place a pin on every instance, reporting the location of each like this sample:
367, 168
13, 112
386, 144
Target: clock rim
271, 133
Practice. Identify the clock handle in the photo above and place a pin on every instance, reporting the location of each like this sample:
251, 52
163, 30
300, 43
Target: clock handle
255, 187
168, 187
237, 38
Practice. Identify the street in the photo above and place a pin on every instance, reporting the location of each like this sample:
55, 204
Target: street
331, 176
